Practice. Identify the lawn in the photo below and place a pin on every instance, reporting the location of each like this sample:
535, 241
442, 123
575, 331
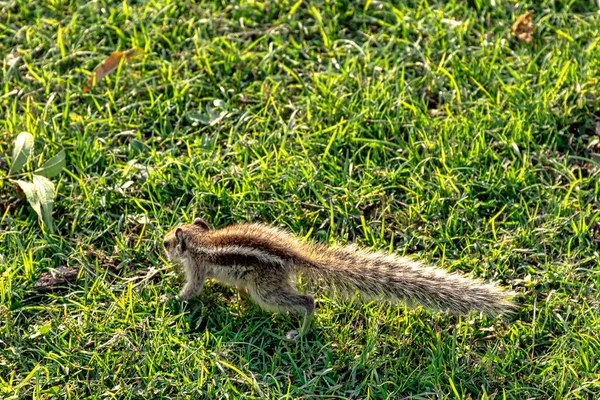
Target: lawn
422, 127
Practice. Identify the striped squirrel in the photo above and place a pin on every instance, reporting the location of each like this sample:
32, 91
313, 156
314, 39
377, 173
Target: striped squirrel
265, 261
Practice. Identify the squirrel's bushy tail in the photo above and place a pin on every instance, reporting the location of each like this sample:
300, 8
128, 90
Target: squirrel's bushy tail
389, 277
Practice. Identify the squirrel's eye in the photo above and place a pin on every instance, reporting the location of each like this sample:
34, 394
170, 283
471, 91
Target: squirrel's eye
166, 243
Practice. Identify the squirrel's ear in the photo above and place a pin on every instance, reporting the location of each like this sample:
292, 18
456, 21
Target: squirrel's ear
200, 223
180, 239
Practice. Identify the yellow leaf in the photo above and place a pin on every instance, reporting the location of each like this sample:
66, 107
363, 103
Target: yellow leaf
110, 64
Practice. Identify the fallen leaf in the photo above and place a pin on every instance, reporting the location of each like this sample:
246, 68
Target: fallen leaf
23, 149
53, 166
197, 117
523, 27
31, 194
110, 64
60, 276
45, 191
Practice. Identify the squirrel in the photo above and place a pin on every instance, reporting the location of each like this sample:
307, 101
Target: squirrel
265, 261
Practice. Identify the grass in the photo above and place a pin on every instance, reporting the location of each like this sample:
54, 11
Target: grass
421, 128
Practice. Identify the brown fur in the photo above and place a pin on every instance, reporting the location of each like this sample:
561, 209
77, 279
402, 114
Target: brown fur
266, 261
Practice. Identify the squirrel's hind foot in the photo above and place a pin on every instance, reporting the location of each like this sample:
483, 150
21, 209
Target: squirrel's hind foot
292, 335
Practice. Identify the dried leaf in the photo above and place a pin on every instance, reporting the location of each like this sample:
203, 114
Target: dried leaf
22, 150
523, 27
110, 64
60, 276
53, 166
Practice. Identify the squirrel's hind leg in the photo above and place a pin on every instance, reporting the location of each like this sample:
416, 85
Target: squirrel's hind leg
285, 299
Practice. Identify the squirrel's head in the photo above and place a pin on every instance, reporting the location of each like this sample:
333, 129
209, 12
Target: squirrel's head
178, 240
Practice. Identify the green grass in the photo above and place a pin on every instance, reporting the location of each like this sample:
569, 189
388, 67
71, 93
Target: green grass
421, 128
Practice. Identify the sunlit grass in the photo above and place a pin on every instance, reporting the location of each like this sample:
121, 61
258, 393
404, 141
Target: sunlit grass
421, 128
